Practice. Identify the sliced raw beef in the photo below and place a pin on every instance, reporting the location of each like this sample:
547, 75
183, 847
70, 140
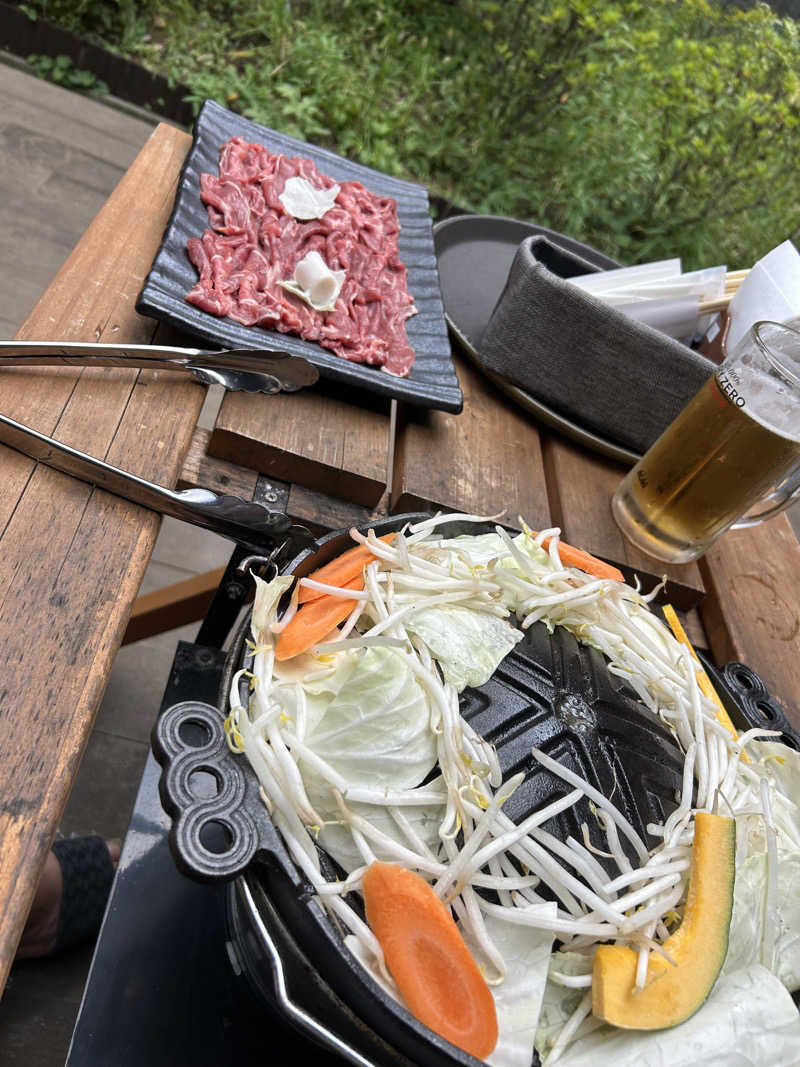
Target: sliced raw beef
253, 243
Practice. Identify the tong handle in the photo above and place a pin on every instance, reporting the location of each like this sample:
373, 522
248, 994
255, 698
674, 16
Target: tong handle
244, 521
244, 369
80, 351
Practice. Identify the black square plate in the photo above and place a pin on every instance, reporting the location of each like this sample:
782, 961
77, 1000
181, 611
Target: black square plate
432, 382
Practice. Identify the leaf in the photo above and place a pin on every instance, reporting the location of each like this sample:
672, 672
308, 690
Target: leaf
375, 730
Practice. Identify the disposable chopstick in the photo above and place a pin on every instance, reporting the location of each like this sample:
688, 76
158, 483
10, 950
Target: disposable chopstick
720, 304
732, 282
733, 279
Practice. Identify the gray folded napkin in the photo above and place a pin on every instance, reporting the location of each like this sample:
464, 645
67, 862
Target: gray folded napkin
587, 361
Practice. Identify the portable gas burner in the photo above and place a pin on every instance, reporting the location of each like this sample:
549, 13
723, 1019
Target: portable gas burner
166, 985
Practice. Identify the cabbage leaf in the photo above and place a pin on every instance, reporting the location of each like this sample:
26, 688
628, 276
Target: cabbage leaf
469, 645
335, 836
518, 998
559, 1002
780, 765
368, 718
748, 1021
747, 922
375, 731
265, 606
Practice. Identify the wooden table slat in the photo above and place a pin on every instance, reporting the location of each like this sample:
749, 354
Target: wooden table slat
581, 485
486, 460
72, 558
319, 512
319, 438
752, 610
200, 470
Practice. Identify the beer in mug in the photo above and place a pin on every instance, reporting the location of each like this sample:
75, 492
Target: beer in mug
735, 444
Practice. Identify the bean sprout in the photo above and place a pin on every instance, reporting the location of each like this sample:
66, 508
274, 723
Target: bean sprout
771, 897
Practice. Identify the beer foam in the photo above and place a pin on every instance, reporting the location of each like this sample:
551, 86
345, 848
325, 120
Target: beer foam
764, 397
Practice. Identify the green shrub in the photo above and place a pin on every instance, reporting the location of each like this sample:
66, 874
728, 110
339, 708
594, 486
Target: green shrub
62, 71
649, 128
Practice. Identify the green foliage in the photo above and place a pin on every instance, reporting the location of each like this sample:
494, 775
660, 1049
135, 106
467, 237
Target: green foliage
649, 128
60, 69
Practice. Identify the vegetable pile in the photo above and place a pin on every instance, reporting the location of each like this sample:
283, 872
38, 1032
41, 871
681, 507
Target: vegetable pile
352, 725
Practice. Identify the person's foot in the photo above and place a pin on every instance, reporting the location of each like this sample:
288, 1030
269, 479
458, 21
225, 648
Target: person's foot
40, 936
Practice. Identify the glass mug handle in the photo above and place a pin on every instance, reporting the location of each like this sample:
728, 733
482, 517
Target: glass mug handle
785, 494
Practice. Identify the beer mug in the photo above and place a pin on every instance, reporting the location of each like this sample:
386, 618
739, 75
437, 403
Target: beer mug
735, 445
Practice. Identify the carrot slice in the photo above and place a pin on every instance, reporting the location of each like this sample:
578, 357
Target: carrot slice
340, 570
427, 957
315, 620
576, 557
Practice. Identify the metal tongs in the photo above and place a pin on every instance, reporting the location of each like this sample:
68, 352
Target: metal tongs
244, 521
249, 370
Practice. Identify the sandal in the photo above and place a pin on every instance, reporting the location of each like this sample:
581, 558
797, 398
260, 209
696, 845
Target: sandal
87, 873
71, 899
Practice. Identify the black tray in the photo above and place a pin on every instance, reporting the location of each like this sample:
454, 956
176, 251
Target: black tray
470, 297
432, 381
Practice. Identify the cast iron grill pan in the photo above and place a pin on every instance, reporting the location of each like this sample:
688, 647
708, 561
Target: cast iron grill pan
549, 692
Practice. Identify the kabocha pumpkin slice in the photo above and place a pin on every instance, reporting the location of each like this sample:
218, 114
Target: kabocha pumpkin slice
428, 958
674, 991
702, 678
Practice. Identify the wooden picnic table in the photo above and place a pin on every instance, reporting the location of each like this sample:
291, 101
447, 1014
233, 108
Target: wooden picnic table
72, 558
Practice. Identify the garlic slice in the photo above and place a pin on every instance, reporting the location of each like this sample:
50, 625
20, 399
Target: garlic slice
303, 201
315, 283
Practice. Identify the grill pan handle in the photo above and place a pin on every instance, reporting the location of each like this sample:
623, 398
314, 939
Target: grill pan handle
218, 819
749, 702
